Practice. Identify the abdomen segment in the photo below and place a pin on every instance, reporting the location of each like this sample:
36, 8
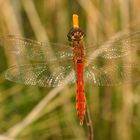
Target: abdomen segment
80, 97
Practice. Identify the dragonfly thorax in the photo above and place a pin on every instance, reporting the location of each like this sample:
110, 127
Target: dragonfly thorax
78, 52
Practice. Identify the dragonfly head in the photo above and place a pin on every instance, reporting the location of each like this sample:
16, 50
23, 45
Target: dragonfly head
75, 34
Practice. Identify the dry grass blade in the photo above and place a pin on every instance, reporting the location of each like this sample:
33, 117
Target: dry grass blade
10, 18
35, 21
127, 109
38, 28
36, 112
2, 137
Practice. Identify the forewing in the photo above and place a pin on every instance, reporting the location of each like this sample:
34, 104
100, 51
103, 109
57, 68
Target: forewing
118, 46
34, 50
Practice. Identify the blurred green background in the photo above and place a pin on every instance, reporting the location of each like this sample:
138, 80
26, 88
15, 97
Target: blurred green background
28, 112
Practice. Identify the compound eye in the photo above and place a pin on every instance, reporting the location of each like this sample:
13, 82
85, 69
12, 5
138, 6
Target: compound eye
69, 38
82, 34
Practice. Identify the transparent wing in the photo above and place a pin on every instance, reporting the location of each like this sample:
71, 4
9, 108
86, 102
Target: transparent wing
35, 50
40, 51
113, 74
39, 74
118, 46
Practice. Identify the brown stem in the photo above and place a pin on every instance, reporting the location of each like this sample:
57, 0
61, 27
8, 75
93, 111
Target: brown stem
89, 125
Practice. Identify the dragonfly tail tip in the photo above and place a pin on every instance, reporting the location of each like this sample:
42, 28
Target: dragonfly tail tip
81, 122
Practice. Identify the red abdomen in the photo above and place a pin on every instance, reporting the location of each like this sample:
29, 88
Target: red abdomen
80, 97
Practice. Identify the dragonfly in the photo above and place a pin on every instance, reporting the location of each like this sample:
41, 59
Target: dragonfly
46, 68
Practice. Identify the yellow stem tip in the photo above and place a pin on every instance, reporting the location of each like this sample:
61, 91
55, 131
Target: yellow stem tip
75, 21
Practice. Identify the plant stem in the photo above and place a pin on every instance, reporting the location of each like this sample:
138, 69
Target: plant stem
89, 125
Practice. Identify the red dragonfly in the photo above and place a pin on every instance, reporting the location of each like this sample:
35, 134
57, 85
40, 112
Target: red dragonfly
44, 68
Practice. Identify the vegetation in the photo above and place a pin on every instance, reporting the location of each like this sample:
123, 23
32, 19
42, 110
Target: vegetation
37, 113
